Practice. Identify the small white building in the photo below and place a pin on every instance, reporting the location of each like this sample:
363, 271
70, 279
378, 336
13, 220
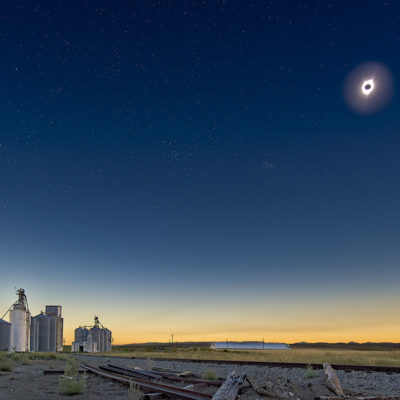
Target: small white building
84, 344
249, 346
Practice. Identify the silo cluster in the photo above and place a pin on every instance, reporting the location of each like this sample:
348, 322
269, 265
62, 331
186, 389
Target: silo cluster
95, 339
47, 331
25, 333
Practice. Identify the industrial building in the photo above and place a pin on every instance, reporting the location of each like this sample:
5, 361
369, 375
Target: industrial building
93, 340
26, 333
249, 346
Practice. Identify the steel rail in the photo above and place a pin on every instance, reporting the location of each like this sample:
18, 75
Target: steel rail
145, 384
132, 372
170, 376
357, 398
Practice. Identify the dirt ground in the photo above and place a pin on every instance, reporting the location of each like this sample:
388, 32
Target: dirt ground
29, 381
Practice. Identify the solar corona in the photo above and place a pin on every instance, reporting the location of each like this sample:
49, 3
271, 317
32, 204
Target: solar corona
368, 88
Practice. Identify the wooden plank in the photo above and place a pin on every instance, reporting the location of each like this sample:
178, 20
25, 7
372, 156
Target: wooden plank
333, 380
230, 388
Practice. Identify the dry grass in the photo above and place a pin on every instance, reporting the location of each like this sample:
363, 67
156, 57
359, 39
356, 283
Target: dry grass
210, 375
134, 392
70, 383
6, 365
308, 356
310, 372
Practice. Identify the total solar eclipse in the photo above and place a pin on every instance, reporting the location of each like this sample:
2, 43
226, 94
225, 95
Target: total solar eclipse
368, 88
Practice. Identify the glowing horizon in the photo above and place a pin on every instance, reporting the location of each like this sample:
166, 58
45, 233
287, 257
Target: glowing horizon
289, 319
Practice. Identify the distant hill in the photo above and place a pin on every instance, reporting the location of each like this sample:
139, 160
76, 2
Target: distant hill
299, 345
348, 346
162, 344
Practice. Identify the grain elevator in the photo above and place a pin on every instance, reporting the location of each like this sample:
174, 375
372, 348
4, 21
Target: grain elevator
43, 332
93, 340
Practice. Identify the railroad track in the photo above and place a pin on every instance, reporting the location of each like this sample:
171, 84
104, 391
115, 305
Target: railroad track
348, 368
146, 385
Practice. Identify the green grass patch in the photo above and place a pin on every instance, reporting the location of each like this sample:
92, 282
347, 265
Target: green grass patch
68, 386
310, 372
6, 365
210, 375
48, 356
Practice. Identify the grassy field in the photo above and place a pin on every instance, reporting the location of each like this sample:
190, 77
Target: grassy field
313, 356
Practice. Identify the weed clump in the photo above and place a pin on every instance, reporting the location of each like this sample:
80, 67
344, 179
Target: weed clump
134, 392
210, 375
6, 365
310, 372
70, 383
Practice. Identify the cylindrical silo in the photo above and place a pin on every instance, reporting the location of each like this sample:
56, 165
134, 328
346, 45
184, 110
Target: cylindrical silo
37, 336
20, 330
53, 334
103, 340
44, 331
97, 337
5, 335
34, 334
60, 333
81, 334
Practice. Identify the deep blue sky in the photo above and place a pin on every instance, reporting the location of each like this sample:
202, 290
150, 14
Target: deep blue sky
169, 142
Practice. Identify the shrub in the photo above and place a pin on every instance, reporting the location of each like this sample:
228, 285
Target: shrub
210, 375
310, 372
72, 368
69, 386
70, 383
6, 365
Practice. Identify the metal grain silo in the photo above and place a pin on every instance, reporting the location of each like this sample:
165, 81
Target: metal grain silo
56, 312
44, 331
20, 330
5, 335
20, 319
104, 340
81, 334
60, 333
97, 337
53, 334
34, 334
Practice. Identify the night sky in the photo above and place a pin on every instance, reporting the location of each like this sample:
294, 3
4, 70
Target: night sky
193, 167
